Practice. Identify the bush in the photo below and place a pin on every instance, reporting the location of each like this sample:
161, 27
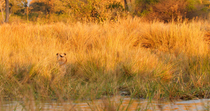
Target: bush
167, 10
96, 10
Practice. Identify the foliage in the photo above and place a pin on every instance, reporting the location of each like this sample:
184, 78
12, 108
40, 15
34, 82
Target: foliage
168, 10
105, 10
80, 10
192, 4
18, 6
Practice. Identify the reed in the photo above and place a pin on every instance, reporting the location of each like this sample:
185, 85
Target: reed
145, 59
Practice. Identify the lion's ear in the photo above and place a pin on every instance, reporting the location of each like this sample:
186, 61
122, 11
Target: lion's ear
57, 54
64, 53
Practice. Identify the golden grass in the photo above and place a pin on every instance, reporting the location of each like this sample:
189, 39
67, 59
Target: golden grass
101, 56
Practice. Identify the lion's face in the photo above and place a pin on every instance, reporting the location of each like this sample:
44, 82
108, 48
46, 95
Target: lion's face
61, 58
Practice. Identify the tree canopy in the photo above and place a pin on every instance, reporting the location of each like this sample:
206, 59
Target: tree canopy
100, 10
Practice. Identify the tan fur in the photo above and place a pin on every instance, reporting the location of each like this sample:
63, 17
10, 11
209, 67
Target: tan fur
62, 60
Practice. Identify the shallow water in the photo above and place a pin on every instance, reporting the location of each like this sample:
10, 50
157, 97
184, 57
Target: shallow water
114, 103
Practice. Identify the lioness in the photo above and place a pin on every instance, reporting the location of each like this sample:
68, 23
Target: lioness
61, 59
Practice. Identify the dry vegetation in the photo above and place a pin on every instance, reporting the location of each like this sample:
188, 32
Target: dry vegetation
149, 60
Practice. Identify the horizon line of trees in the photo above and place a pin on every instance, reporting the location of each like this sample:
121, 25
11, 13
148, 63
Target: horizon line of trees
101, 10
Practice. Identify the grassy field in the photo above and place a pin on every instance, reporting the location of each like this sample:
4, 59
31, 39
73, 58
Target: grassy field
144, 59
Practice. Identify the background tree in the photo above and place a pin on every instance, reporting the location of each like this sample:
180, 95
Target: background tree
18, 6
7, 11
126, 4
1, 6
13, 7
49, 7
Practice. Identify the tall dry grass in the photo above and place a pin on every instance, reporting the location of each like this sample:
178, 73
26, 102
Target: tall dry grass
149, 60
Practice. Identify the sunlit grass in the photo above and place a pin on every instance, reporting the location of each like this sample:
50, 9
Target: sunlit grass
147, 60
